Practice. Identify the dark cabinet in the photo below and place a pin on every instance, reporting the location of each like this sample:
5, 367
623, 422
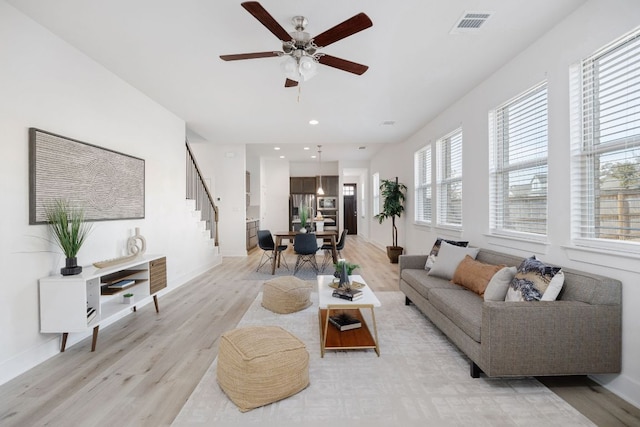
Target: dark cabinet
252, 234
330, 185
302, 185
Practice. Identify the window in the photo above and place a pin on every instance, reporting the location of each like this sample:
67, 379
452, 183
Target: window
348, 190
422, 184
449, 179
608, 160
376, 194
518, 164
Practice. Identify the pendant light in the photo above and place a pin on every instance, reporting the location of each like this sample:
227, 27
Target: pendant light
320, 190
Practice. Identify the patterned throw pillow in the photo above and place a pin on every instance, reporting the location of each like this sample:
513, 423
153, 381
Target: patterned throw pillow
436, 248
535, 281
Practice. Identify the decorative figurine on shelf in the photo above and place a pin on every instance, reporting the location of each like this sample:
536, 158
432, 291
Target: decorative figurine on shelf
344, 277
132, 243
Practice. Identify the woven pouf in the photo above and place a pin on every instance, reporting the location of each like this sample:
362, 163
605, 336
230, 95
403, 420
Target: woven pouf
259, 365
286, 294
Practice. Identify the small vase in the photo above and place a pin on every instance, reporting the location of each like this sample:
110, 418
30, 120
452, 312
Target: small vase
303, 230
71, 267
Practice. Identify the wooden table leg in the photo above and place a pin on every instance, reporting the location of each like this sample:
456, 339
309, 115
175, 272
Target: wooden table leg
334, 250
65, 335
155, 302
94, 341
276, 257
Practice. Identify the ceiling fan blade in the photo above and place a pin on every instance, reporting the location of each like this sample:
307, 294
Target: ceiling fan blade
265, 18
347, 28
248, 56
343, 64
290, 83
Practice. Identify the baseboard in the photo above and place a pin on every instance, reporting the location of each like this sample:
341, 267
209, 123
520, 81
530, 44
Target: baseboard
621, 385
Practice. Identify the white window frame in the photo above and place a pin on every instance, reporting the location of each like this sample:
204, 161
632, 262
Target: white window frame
375, 191
518, 153
447, 177
422, 185
599, 141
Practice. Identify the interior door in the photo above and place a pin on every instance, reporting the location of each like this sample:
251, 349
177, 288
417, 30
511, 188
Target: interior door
349, 195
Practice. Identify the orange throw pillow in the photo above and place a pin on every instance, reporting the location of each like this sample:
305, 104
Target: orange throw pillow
475, 275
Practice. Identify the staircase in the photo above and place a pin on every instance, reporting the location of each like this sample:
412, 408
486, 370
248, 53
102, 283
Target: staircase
198, 193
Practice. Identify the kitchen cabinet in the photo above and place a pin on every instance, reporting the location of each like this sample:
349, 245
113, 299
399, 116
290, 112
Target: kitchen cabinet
252, 233
302, 185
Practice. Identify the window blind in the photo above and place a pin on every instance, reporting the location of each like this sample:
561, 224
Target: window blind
422, 184
609, 164
449, 179
518, 163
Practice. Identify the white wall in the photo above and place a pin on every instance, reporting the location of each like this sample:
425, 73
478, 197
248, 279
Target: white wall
313, 168
274, 194
592, 26
47, 84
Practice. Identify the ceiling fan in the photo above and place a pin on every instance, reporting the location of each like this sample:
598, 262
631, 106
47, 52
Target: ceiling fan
300, 48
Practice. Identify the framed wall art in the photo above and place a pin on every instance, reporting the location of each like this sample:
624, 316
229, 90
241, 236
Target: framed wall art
106, 184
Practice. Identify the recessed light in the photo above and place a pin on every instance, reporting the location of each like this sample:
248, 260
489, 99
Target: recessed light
306, 148
282, 157
276, 148
313, 122
313, 157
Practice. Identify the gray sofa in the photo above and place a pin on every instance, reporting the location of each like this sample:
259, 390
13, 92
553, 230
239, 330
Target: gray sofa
578, 334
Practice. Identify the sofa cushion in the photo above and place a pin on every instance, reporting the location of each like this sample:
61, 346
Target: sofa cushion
436, 248
499, 284
422, 282
533, 280
475, 275
462, 307
448, 259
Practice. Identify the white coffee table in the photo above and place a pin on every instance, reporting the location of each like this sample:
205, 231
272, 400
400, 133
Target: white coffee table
354, 339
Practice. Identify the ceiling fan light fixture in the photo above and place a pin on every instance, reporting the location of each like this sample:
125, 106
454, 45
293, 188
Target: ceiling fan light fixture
308, 67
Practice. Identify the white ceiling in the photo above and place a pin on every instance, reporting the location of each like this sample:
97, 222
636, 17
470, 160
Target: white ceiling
169, 50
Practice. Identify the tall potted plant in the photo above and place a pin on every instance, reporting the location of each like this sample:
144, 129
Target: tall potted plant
393, 206
69, 231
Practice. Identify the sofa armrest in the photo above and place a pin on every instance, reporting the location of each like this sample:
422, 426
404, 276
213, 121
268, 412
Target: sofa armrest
550, 338
411, 261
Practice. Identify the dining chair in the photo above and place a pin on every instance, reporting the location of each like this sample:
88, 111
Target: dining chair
328, 249
266, 243
305, 246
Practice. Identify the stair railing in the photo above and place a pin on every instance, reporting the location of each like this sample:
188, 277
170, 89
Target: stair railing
197, 190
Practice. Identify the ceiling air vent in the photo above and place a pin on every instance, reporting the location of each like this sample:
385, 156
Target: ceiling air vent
470, 21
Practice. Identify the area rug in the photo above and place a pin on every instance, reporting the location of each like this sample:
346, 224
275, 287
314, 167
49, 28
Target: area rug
419, 379
306, 272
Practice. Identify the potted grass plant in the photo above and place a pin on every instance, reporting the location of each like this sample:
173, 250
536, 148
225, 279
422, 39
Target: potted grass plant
393, 206
304, 216
69, 231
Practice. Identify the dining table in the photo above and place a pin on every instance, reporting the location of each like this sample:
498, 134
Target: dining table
330, 235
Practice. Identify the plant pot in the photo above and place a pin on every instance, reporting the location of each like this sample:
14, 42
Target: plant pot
127, 300
393, 252
303, 230
71, 267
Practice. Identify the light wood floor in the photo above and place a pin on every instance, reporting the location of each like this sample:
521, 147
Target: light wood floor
146, 365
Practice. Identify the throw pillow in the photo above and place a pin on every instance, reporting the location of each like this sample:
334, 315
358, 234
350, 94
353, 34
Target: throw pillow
499, 284
436, 248
533, 279
448, 259
474, 275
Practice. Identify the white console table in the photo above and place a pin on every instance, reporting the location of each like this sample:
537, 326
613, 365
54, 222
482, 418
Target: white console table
65, 300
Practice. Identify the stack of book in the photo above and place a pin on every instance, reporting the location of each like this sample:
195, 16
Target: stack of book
122, 284
347, 294
345, 322
91, 313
